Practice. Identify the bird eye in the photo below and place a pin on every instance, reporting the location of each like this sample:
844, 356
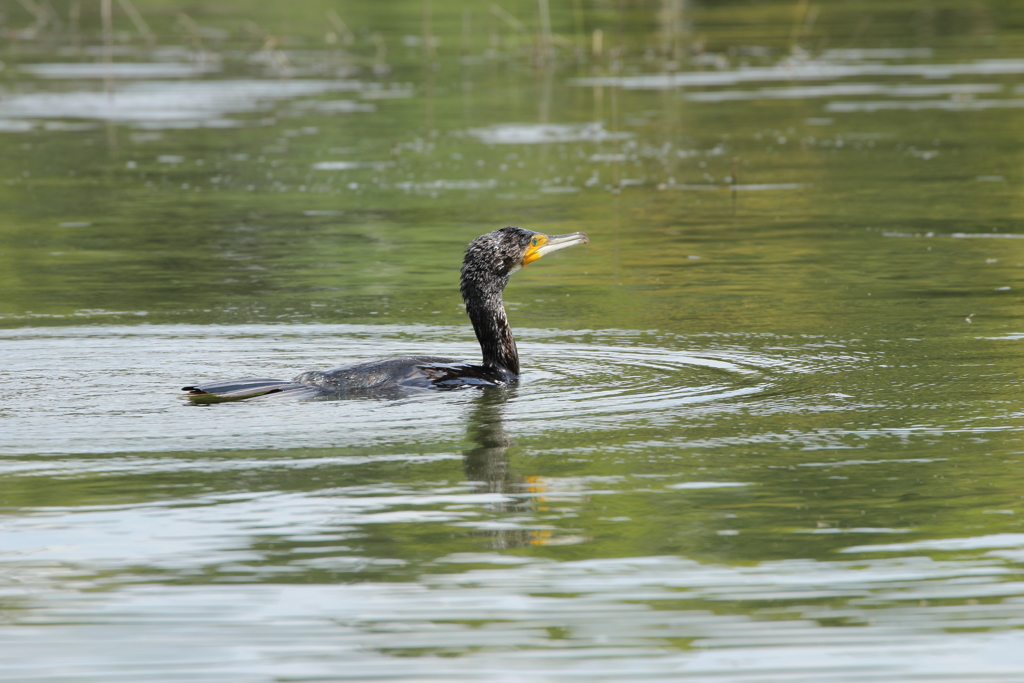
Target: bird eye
534, 241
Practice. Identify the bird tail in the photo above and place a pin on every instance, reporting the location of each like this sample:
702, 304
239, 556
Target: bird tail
241, 389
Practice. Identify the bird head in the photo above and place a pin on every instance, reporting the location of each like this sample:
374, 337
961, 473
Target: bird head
506, 250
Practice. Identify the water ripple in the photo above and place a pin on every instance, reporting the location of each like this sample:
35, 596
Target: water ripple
115, 389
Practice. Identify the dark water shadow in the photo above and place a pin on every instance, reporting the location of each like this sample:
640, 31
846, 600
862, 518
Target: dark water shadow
487, 463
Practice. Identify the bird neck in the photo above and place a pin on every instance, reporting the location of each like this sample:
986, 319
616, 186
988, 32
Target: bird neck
487, 312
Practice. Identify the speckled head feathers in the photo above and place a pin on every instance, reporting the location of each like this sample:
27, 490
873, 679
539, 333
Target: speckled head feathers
500, 251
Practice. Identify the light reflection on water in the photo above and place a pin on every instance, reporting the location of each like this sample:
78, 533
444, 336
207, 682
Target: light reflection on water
822, 70
151, 103
657, 618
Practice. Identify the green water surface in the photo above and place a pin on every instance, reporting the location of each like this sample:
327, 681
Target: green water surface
769, 426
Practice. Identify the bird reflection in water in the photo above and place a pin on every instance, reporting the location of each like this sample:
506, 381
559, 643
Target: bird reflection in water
486, 462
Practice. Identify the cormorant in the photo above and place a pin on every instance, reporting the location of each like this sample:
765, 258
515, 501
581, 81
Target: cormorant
490, 260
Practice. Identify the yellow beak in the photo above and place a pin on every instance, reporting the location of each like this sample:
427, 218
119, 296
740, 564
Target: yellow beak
541, 245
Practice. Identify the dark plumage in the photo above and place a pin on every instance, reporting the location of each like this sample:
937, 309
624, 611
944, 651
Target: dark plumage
489, 262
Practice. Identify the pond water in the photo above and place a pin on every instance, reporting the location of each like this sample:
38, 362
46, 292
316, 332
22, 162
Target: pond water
769, 426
